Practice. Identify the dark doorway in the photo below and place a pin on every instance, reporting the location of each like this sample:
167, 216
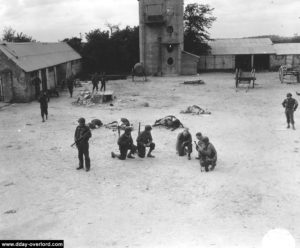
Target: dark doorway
243, 62
261, 62
44, 80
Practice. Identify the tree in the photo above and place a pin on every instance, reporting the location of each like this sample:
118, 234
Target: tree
11, 35
75, 43
197, 20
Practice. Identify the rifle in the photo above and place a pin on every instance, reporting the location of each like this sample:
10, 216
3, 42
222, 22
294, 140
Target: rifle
80, 139
139, 128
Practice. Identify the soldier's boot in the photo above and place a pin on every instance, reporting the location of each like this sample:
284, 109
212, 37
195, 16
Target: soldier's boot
130, 155
80, 166
288, 126
46, 117
189, 156
293, 126
113, 155
149, 155
43, 120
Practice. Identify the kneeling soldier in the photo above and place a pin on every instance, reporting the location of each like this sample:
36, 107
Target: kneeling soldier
207, 155
145, 140
82, 135
184, 143
125, 143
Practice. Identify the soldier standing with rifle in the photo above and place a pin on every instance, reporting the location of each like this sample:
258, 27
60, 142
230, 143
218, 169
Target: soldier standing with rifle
125, 143
144, 140
81, 137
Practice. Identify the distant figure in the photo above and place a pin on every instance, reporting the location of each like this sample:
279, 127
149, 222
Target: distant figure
44, 99
81, 138
145, 140
207, 155
184, 143
125, 143
70, 83
103, 82
95, 81
139, 70
290, 104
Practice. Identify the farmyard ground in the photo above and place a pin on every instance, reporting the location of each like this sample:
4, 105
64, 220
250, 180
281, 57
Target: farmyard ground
160, 202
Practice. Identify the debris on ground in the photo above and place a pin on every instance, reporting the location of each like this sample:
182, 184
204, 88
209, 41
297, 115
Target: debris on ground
119, 125
195, 110
194, 82
85, 97
95, 123
13, 211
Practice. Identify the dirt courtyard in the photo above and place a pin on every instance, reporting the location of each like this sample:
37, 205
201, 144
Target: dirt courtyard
160, 202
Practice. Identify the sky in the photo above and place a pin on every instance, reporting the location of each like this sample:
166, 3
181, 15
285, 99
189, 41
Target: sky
54, 20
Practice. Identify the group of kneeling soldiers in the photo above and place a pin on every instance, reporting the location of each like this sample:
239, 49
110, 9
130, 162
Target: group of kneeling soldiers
207, 153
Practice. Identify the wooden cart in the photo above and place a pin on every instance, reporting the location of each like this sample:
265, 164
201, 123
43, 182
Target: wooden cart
288, 75
244, 77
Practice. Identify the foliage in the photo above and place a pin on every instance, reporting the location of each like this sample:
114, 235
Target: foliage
75, 43
197, 19
11, 35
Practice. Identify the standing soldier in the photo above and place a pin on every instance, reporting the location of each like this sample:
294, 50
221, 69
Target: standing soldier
207, 155
184, 143
144, 140
70, 82
95, 81
103, 82
44, 99
125, 143
290, 104
81, 137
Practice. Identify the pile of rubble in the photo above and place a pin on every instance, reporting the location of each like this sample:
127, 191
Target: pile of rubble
85, 97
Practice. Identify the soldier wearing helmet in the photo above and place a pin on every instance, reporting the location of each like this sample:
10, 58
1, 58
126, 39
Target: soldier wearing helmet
81, 137
184, 143
144, 140
290, 104
207, 155
125, 143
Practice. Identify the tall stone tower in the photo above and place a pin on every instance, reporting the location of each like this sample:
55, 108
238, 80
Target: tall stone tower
161, 36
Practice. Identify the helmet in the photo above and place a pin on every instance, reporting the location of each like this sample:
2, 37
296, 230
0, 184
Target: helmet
81, 120
205, 139
199, 134
288, 94
148, 128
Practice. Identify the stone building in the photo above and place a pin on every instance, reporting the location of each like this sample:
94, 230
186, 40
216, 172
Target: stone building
21, 63
161, 38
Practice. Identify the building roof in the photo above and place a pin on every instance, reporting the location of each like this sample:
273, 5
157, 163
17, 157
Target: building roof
287, 48
241, 46
31, 56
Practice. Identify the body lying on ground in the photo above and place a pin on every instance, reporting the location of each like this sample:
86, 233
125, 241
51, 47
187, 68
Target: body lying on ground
170, 122
95, 123
121, 124
195, 110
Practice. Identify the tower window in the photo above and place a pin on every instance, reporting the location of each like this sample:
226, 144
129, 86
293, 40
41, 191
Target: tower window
170, 61
170, 48
170, 29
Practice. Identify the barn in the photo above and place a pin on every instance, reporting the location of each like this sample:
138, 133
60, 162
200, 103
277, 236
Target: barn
244, 53
286, 54
22, 63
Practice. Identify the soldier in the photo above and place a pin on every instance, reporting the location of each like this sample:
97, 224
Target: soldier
125, 143
70, 83
81, 137
200, 143
103, 82
144, 140
290, 104
95, 81
44, 99
184, 143
207, 155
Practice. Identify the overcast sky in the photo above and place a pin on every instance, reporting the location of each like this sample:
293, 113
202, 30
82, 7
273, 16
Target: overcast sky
53, 20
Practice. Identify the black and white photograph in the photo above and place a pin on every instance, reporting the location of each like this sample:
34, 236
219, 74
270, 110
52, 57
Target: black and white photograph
150, 123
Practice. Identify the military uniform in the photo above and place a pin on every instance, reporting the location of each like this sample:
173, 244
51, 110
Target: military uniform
184, 144
82, 136
145, 140
103, 82
207, 155
44, 99
125, 143
95, 81
290, 104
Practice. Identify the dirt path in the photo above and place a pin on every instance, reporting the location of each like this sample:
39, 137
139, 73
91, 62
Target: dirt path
161, 202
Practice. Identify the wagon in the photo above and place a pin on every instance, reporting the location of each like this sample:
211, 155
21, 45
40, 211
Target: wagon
244, 77
288, 74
